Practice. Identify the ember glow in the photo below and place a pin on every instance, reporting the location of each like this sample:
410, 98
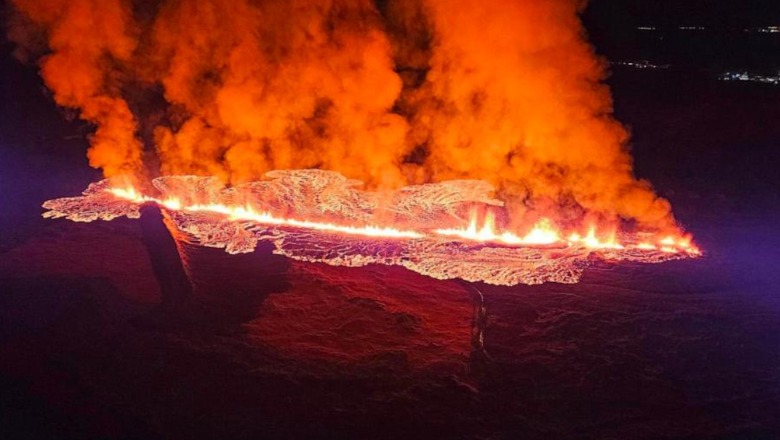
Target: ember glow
327, 220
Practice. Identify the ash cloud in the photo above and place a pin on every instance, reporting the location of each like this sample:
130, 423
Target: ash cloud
392, 93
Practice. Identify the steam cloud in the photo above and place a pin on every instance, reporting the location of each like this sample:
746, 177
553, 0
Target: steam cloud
390, 92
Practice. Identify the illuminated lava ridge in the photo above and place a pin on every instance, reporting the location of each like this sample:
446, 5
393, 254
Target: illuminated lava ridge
320, 216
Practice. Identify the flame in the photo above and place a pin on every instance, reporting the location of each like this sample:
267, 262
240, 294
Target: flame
543, 233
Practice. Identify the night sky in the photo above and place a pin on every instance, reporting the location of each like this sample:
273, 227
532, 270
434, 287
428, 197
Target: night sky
716, 13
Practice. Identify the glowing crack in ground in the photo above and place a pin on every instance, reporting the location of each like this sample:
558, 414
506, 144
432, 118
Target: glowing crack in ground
321, 216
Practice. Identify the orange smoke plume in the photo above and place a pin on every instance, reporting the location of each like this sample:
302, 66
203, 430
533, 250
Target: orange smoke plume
85, 40
514, 95
389, 92
277, 85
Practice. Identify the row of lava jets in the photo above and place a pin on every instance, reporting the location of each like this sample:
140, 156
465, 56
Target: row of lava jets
543, 232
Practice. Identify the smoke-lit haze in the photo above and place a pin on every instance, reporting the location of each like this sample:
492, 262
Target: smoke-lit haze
390, 92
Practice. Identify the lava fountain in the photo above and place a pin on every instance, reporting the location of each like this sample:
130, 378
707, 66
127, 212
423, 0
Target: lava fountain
319, 216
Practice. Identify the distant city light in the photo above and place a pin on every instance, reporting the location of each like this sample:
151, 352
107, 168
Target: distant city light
746, 76
765, 29
769, 29
641, 64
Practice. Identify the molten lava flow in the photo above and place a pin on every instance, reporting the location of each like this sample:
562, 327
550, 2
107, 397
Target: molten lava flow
246, 213
543, 232
315, 215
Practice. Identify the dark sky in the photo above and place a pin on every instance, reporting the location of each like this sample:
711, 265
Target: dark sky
612, 27
720, 13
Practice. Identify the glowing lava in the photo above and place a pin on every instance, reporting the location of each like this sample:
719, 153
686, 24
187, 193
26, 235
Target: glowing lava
246, 213
326, 219
543, 232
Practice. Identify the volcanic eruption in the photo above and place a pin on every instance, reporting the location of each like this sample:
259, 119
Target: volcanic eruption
481, 131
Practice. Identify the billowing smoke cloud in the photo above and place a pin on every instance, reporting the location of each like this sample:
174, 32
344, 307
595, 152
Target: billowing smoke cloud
389, 92
86, 40
279, 84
